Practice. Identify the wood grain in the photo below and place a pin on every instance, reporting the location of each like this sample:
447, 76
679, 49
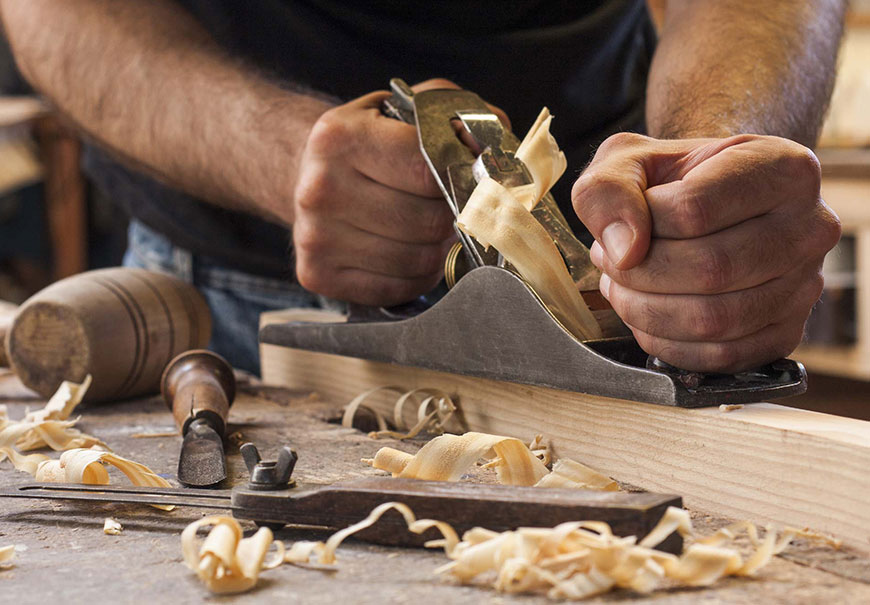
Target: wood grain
121, 325
764, 462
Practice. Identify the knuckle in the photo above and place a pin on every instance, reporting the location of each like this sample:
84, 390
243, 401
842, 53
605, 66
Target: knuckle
831, 229
621, 140
711, 319
435, 83
311, 193
815, 286
330, 133
309, 275
714, 269
308, 240
722, 357
801, 162
595, 184
692, 213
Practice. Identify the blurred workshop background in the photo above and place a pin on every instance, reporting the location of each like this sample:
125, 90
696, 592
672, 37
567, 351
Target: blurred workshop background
53, 223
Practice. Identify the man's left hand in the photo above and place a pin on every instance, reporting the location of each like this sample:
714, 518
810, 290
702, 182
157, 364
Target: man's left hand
711, 249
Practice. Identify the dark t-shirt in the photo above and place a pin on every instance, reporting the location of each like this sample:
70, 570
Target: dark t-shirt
585, 60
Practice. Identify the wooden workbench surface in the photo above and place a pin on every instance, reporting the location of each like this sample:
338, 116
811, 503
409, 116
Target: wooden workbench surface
65, 557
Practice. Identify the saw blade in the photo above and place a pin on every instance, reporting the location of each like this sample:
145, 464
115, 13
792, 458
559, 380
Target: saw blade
202, 462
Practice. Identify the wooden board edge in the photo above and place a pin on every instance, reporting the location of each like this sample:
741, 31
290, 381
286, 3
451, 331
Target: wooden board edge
766, 462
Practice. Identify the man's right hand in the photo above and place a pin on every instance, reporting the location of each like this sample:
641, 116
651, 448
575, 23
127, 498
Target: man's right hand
371, 225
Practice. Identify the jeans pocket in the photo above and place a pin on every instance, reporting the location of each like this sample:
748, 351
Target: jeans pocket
147, 249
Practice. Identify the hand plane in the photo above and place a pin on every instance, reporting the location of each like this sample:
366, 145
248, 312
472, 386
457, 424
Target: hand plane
491, 323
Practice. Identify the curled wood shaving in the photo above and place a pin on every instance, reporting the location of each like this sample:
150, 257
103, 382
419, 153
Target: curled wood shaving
572, 474
541, 155
112, 527
501, 217
541, 450
226, 562
730, 407
323, 553
84, 466
7, 553
448, 457
433, 421
49, 426
495, 217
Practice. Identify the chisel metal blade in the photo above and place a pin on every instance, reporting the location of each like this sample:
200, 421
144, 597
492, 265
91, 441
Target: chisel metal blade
202, 462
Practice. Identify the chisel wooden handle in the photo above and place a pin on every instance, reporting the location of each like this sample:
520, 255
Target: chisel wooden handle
199, 384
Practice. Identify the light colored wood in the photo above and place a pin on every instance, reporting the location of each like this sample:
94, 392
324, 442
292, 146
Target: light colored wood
764, 462
844, 361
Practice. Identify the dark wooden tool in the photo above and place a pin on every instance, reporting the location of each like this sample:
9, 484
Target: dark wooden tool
120, 325
199, 388
463, 505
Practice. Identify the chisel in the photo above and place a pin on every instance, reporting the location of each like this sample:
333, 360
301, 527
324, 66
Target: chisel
199, 387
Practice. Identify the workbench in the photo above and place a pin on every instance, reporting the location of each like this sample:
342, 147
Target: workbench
64, 556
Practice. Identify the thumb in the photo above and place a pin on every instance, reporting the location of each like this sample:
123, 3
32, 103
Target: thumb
610, 195
609, 199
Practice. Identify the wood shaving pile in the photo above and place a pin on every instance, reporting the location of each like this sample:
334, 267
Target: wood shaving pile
435, 409
502, 217
85, 456
582, 559
49, 426
448, 457
575, 560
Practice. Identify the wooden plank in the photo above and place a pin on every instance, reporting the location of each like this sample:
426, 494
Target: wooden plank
764, 462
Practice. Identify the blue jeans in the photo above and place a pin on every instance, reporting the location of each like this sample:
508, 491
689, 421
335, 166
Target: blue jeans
235, 298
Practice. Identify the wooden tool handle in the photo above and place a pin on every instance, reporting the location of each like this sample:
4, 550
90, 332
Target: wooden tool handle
199, 384
7, 315
120, 325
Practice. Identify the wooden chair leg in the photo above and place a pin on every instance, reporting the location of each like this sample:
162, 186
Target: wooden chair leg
65, 203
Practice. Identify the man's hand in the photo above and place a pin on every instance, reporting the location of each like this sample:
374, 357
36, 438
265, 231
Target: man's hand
371, 225
711, 249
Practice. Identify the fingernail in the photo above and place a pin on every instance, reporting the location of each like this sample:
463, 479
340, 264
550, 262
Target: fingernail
596, 254
604, 286
617, 238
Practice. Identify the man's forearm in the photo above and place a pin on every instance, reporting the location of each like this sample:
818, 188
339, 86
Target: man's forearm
724, 67
146, 80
